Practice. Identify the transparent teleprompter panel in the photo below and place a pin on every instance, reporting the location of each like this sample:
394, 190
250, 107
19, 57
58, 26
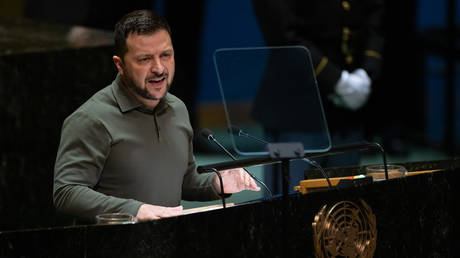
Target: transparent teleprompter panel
270, 94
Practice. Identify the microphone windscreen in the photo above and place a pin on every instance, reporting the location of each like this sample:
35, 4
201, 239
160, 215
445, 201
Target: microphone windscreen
206, 133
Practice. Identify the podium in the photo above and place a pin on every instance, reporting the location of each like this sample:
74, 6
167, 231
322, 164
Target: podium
415, 216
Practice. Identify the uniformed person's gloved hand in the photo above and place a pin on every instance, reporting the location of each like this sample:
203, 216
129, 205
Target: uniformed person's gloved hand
352, 90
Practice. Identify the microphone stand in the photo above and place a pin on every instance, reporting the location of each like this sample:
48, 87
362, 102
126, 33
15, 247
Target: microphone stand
285, 152
262, 160
234, 158
314, 163
222, 147
222, 193
237, 131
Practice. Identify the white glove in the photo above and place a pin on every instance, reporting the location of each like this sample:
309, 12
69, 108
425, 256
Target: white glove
366, 80
352, 90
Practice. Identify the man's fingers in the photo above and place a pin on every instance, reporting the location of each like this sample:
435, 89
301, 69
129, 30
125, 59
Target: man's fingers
171, 211
149, 212
254, 186
237, 180
246, 180
249, 182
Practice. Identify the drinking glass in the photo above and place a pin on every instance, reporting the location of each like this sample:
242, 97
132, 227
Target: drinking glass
378, 171
115, 218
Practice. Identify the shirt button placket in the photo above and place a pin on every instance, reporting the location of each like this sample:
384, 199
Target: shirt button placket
157, 126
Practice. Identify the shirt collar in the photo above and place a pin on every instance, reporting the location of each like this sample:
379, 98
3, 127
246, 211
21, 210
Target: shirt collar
127, 101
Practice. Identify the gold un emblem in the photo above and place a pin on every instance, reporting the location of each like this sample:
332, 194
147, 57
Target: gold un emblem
346, 229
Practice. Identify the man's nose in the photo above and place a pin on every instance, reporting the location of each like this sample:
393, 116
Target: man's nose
157, 66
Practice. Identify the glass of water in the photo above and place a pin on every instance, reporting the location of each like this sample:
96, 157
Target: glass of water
115, 218
378, 171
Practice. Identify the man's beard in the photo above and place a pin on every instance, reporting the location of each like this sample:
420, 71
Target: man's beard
143, 92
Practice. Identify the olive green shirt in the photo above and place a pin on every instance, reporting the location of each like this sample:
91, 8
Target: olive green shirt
115, 155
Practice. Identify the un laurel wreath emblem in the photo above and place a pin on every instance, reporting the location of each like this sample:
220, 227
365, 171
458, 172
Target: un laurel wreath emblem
345, 229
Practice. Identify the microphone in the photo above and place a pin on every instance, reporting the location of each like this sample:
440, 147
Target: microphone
235, 130
206, 133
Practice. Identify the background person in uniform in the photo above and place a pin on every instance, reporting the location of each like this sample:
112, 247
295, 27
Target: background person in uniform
346, 45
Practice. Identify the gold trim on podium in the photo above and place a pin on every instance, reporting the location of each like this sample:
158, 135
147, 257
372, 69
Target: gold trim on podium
309, 185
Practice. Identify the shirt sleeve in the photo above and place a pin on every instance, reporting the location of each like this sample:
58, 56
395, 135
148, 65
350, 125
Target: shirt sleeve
83, 150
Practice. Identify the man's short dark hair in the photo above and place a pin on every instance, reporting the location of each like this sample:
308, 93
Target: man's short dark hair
141, 22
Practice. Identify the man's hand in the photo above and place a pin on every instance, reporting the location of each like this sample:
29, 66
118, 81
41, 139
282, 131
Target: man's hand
235, 180
151, 212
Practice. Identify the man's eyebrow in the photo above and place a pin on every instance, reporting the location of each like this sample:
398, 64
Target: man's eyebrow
144, 55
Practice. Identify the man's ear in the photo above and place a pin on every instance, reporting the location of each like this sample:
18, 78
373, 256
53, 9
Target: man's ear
118, 63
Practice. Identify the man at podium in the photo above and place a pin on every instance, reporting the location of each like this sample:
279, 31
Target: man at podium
128, 149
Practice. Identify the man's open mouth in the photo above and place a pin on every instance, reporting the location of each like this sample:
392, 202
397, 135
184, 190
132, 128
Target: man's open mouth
157, 80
